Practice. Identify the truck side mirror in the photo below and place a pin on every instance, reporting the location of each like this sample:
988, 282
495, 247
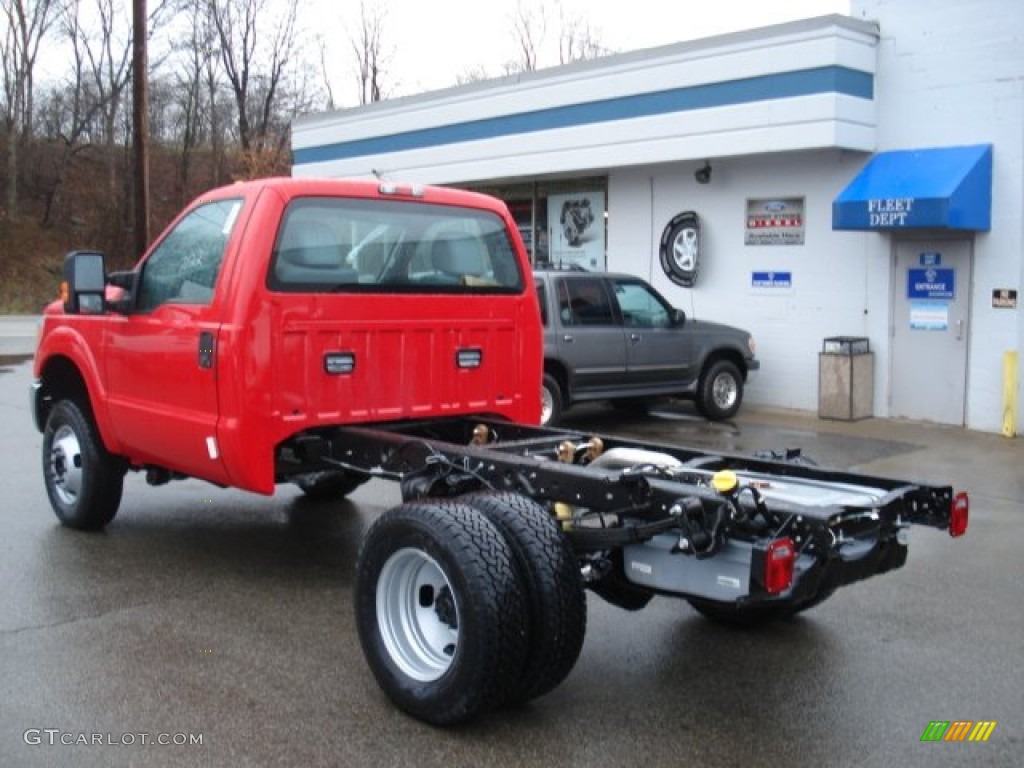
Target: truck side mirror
84, 283
678, 317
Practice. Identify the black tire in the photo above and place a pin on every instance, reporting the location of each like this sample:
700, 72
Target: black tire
325, 486
83, 480
720, 390
813, 602
440, 611
698, 406
551, 577
552, 402
739, 617
679, 249
755, 615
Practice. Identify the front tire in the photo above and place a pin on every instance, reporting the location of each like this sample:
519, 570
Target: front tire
83, 480
720, 391
440, 611
551, 577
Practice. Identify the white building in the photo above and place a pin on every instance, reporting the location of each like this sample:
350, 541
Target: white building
864, 177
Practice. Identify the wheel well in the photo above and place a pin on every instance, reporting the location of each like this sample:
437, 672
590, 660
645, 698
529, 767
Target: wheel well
731, 355
61, 380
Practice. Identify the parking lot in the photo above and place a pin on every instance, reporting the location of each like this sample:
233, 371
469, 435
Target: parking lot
215, 616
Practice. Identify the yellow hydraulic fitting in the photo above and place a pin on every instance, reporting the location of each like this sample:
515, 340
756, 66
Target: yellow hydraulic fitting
725, 481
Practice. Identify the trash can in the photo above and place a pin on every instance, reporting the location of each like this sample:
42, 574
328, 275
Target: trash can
846, 379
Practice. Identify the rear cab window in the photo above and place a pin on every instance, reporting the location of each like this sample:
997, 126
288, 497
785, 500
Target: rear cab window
385, 246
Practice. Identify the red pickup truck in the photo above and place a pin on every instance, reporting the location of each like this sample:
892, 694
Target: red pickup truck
329, 332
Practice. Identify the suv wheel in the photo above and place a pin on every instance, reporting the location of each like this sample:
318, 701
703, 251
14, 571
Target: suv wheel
721, 391
550, 401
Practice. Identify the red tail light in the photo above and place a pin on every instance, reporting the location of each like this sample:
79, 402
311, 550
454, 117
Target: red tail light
778, 565
958, 515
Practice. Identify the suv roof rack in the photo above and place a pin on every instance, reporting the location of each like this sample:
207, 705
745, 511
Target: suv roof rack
560, 267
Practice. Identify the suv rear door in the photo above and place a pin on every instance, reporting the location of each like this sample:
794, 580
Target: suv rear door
590, 337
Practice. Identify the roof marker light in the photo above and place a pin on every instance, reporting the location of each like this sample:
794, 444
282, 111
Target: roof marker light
405, 190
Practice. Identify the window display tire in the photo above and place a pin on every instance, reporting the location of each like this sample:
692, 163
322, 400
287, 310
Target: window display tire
680, 249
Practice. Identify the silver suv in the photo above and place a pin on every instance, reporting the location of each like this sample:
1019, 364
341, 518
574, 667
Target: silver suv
613, 337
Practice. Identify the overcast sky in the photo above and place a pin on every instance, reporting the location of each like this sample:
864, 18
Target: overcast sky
433, 41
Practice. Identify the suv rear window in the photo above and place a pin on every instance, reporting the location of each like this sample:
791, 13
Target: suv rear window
343, 245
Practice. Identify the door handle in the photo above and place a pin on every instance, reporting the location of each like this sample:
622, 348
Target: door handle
959, 330
206, 349
568, 338
635, 337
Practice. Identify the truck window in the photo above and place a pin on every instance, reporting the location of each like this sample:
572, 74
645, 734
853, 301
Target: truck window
183, 268
352, 245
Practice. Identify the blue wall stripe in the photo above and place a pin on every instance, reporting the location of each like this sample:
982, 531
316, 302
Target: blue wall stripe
763, 87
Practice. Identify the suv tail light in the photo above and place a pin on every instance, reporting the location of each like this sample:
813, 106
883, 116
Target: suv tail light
779, 558
958, 514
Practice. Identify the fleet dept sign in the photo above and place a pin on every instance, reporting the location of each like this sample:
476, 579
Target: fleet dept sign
890, 212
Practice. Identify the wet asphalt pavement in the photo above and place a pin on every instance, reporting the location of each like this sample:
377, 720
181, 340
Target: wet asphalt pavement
225, 616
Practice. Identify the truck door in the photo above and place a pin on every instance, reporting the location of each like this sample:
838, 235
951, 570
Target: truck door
161, 358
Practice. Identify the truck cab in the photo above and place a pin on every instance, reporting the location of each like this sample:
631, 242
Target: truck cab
272, 309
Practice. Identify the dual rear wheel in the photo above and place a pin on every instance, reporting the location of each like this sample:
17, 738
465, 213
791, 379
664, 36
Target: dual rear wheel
465, 605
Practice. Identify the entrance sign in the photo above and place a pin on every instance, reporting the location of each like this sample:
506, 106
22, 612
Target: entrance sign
931, 283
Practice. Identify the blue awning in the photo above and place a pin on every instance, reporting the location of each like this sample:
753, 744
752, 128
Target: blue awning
938, 188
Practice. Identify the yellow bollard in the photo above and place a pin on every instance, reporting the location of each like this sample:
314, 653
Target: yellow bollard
1010, 393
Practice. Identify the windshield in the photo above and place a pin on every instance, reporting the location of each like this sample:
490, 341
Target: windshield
342, 245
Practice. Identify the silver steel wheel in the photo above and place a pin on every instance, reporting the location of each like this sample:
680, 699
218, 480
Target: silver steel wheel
417, 615
724, 391
66, 465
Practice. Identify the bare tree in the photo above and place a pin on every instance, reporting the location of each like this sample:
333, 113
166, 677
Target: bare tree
577, 41
108, 52
529, 24
254, 71
474, 74
70, 109
26, 23
192, 105
321, 45
371, 58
